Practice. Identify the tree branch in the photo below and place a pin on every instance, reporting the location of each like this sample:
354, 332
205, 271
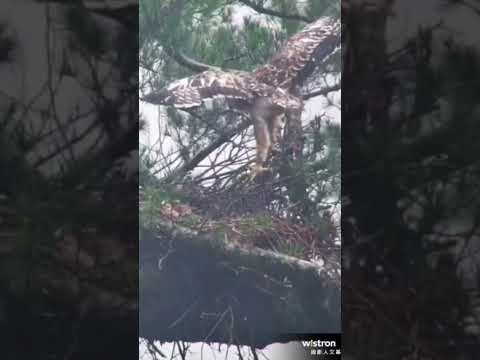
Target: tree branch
260, 9
188, 62
323, 91
203, 154
263, 292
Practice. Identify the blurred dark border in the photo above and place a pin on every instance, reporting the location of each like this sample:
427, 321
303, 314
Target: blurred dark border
69, 180
410, 169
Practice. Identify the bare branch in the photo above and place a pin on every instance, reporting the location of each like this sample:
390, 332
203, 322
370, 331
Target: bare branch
263, 10
323, 91
188, 62
200, 156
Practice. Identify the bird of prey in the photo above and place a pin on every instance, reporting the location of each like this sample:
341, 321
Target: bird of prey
268, 93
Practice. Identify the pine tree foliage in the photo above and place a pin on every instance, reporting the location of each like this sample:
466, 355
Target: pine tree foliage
213, 33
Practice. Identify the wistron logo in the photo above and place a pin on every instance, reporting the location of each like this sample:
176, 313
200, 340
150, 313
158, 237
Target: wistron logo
318, 343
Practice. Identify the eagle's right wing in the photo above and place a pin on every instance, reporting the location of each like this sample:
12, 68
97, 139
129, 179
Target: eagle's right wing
315, 42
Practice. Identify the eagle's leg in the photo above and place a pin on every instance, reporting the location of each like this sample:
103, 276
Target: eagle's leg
267, 121
275, 128
263, 144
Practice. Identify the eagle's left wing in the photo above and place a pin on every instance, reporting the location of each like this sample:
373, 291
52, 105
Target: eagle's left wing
192, 92
315, 42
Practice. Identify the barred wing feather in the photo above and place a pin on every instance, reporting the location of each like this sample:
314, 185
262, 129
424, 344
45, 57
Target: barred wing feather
315, 42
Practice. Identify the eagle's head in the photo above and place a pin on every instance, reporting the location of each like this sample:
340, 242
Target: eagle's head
160, 97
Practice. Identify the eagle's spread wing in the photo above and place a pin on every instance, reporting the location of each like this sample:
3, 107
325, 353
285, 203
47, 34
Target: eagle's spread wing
267, 91
193, 91
315, 42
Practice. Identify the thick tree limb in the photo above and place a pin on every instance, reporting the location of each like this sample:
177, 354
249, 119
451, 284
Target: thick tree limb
207, 288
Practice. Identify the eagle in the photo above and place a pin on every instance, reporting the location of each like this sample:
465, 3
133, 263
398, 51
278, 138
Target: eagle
268, 93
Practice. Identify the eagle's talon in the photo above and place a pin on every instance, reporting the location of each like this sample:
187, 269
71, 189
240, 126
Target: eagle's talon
256, 170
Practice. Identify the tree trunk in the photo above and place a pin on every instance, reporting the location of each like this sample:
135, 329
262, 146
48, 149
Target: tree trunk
206, 288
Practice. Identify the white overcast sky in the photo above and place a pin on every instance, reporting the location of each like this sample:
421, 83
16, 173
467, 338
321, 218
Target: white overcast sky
201, 351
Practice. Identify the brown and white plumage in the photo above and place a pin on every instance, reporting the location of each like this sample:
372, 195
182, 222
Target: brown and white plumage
267, 92
314, 43
274, 79
192, 91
